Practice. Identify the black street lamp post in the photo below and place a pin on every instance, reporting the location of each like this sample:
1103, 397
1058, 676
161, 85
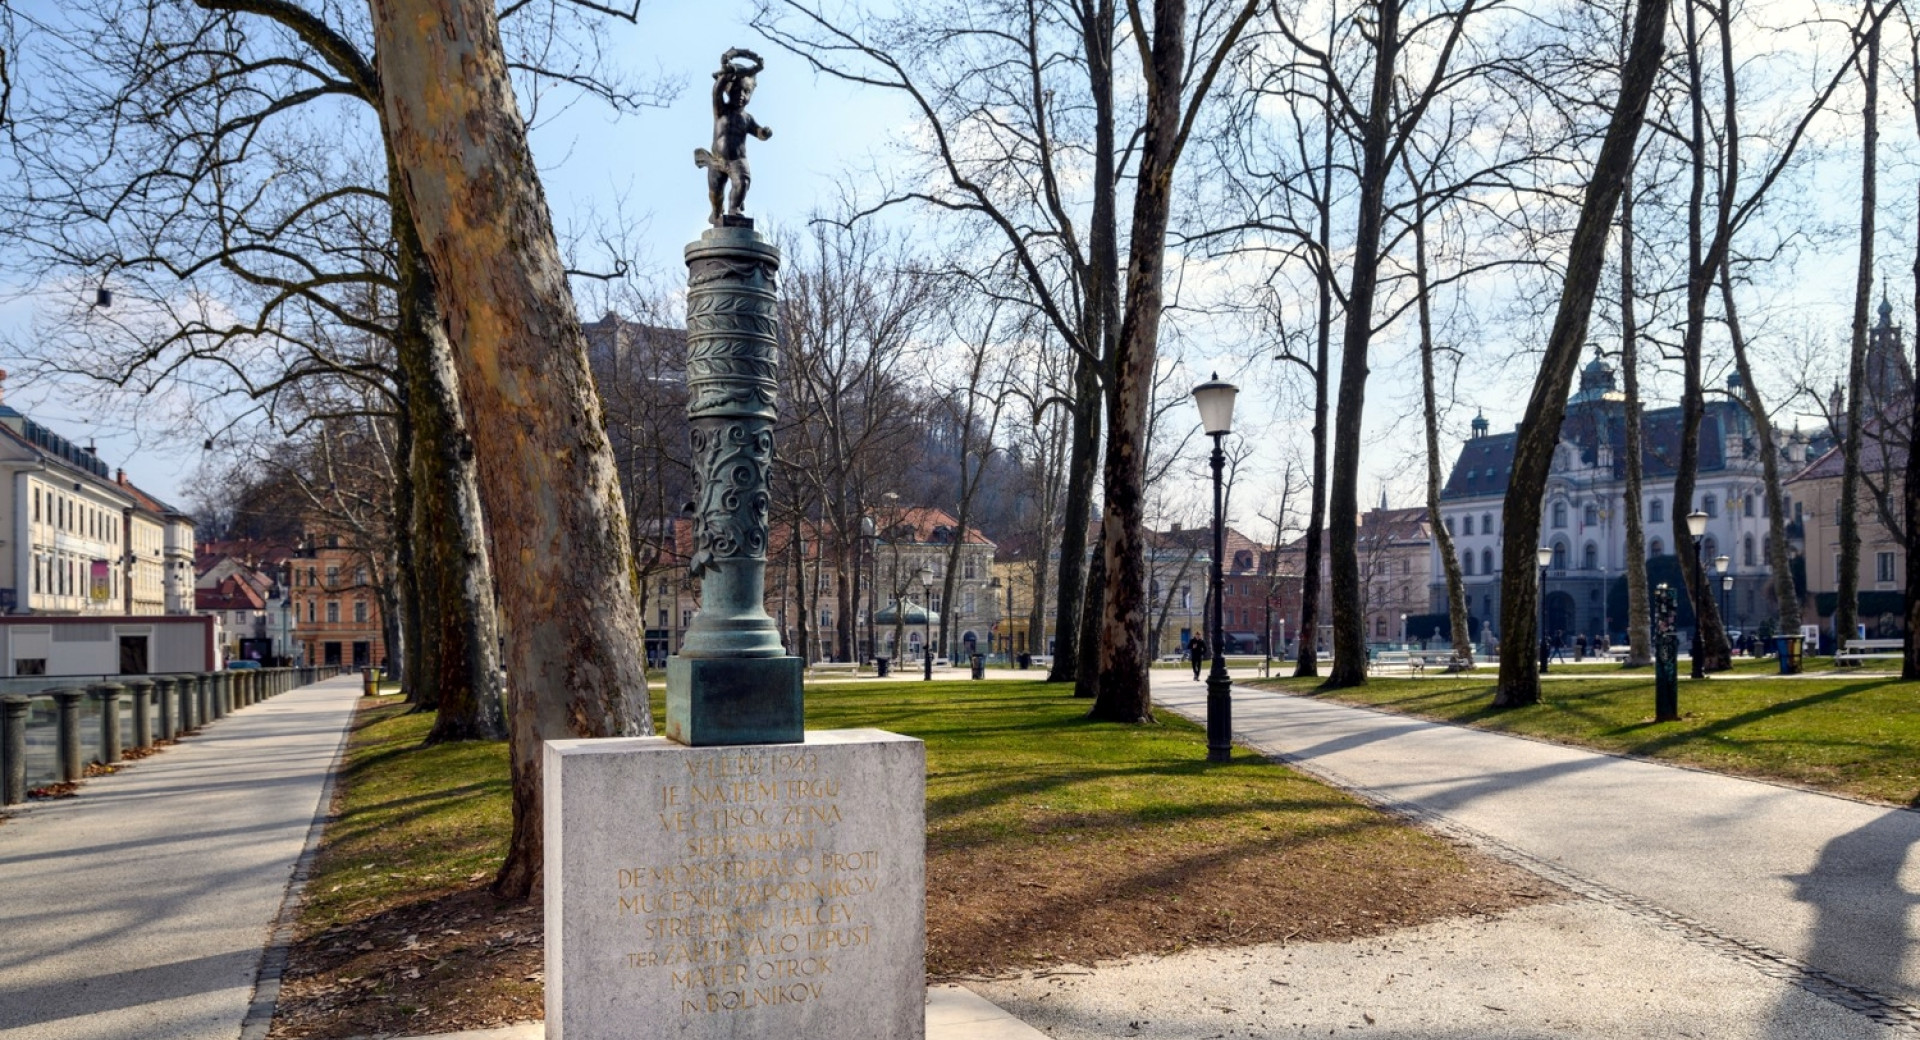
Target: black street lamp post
1544, 557
1215, 400
926, 617
1697, 527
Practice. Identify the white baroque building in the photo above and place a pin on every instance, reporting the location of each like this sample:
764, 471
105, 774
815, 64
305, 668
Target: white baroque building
1583, 519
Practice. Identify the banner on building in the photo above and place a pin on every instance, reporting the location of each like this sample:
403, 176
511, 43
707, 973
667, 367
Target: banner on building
102, 589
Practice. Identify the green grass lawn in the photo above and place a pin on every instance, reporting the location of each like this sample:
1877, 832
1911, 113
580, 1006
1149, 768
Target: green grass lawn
1050, 838
1851, 734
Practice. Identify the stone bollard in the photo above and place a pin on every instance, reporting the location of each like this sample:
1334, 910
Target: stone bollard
202, 699
242, 689
68, 702
108, 694
142, 712
13, 747
217, 684
163, 694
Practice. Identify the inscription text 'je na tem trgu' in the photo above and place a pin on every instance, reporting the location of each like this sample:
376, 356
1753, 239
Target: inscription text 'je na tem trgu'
759, 902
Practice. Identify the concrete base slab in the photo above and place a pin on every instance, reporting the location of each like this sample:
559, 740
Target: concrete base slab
953, 1013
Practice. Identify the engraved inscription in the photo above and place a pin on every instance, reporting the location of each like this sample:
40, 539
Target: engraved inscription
751, 904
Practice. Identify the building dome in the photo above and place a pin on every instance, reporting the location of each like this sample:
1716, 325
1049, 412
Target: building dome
1598, 375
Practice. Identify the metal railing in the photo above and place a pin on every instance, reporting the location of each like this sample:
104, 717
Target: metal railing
53, 727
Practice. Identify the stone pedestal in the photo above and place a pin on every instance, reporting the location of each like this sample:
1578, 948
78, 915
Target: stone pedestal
747, 891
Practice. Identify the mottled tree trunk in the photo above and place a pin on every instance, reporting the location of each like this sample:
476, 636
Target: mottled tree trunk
1459, 631
1788, 599
1124, 693
1910, 490
1540, 429
1343, 505
1084, 463
1845, 610
1639, 617
455, 635
545, 469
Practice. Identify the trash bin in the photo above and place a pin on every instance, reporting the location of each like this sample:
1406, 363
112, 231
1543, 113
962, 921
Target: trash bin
880, 666
1026, 661
369, 685
979, 666
1788, 647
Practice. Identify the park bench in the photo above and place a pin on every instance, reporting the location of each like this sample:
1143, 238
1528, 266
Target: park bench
1854, 651
835, 667
1445, 660
1398, 660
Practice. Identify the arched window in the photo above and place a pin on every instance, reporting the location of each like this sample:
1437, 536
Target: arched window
1590, 557
1486, 523
1709, 549
1559, 556
1559, 515
1746, 549
1466, 524
1656, 512
1466, 563
1746, 506
1656, 548
1486, 561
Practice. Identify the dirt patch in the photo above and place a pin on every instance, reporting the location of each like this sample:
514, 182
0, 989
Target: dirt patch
1098, 898
451, 961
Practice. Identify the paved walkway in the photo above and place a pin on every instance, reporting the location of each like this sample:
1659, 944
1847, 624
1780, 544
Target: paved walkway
140, 908
1819, 889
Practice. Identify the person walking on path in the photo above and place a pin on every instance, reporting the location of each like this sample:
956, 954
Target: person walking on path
1197, 653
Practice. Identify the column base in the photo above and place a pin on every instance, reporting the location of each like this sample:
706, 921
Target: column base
716, 701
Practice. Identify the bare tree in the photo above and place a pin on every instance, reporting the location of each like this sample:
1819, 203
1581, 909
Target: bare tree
461, 162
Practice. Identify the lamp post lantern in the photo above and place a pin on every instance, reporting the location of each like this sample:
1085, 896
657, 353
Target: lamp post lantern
1406, 639
1544, 557
926, 618
1215, 401
1697, 527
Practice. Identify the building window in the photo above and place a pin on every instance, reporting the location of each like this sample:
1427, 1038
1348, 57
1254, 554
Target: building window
1559, 556
1710, 506
1449, 523
1559, 515
826, 619
1380, 627
1590, 516
1656, 512
1486, 523
970, 568
1746, 506
1590, 557
360, 611
359, 575
1746, 549
36, 505
1656, 548
1466, 524
333, 612
1466, 563
968, 603
333, 576
310, 612
1883, 566
1486, 561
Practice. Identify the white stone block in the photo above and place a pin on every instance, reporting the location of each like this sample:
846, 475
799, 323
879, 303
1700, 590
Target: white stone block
756, 891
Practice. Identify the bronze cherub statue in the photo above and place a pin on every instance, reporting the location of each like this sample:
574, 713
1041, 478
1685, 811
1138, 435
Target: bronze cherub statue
727, 163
